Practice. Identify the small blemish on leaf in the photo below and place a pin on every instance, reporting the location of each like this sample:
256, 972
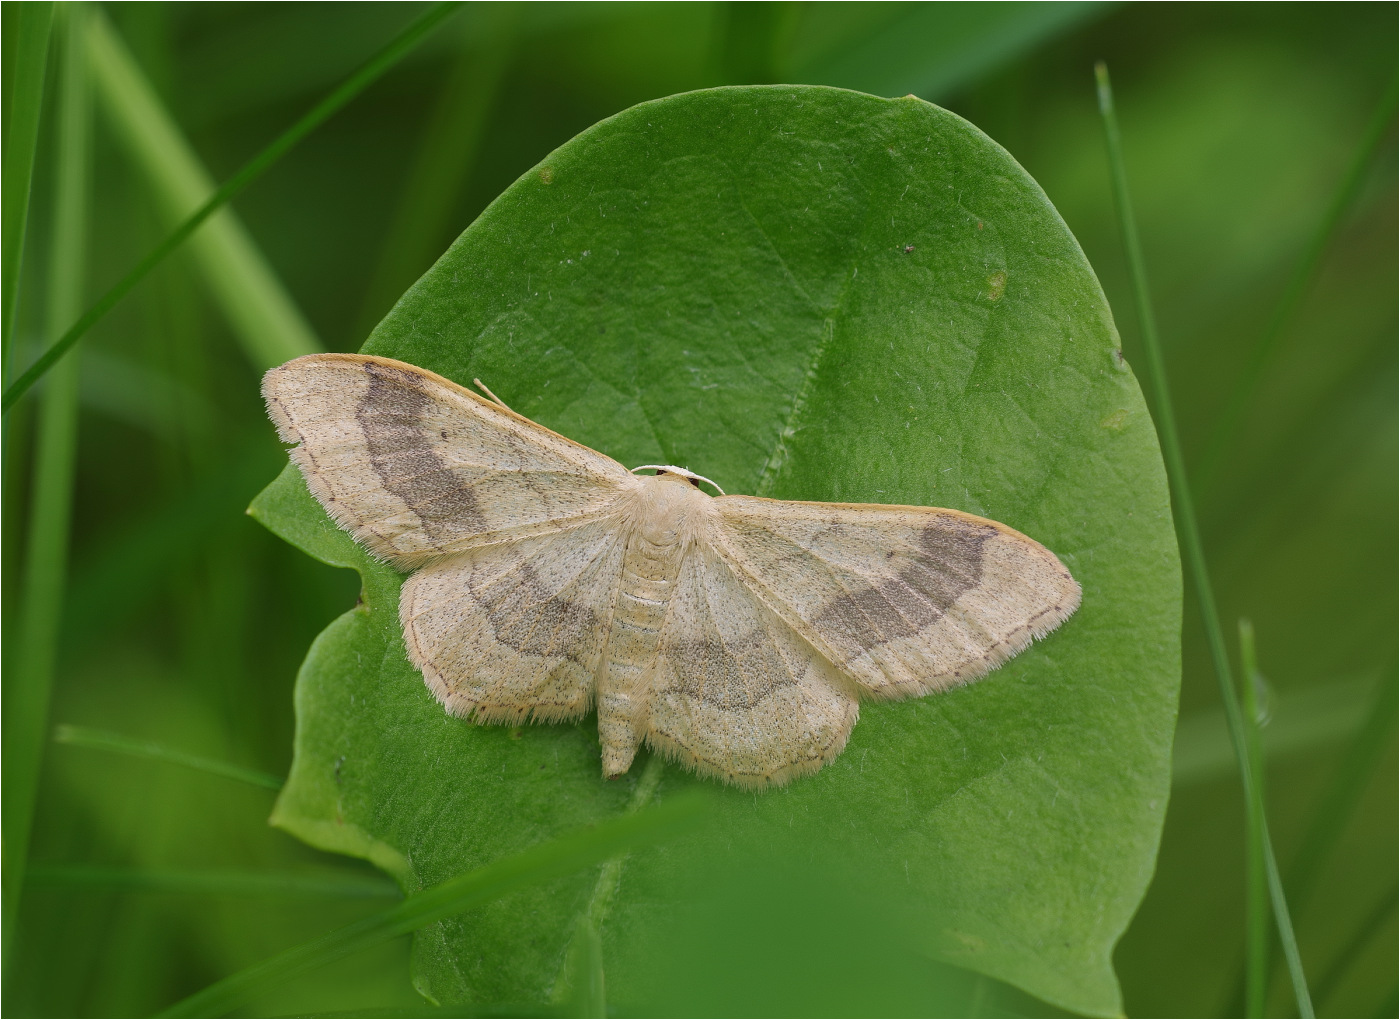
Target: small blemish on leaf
1116, 419
908, 248
996, 286
973, 942
516, 733
547, 174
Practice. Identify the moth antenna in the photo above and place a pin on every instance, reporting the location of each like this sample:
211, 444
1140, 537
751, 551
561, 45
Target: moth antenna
494, 399
672, 469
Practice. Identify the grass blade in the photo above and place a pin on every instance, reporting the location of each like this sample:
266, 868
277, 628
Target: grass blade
1256, 933
1339, 801
1365, 932
540, 863
210, 883
101, 740
442, 167
580, 984
32, 23
1369, 737
1228, 423
264, 317
28, 685
1189, 534
251, 171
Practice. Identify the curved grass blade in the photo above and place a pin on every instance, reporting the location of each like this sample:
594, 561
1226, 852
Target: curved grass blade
32, 23
1344, 792
28, 684
222, 882
580, 982
1228, 423
263, 316
1256, 878
1369, 738
101, 740
932, 50
538, 864
251, 171
1189, 533
1365, 932
442, 167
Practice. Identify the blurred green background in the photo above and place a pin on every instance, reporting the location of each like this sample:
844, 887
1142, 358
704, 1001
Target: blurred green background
183, 622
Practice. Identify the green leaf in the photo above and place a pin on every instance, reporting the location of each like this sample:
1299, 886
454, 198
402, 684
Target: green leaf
811, 294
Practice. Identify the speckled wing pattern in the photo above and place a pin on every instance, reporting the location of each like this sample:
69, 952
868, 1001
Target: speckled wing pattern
735, 634
906, 600
735, 691
517, 631
416, 467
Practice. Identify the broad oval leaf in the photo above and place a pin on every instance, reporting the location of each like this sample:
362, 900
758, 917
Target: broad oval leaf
810, 294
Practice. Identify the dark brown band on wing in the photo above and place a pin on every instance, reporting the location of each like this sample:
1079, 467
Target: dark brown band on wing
525, 616
950, 565
400, 449
712, 671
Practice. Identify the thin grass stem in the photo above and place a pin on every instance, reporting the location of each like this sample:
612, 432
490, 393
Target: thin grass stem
395, 51
1338, 803
1336, 806
545, 861
1256, 938
1227, 425
442, 166
209, 883
101, 740
1188, 531
28, 684
580, 982
32, 24
1365, 931
264, 318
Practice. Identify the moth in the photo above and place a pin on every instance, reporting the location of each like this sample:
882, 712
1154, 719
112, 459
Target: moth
734, 634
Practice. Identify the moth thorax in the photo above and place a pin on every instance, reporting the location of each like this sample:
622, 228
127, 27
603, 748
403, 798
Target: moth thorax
670, 505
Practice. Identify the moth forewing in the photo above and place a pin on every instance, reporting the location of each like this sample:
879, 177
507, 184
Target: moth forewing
907, 600
418, 467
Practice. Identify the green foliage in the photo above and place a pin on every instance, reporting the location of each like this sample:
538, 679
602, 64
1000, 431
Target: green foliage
99, 740
462, 892
27, 692
183, 621
811, 294
239, 277
29, 25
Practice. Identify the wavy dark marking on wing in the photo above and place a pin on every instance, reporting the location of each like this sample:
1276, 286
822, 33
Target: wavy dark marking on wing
526, 617
917, 596
391, 415
711, 672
